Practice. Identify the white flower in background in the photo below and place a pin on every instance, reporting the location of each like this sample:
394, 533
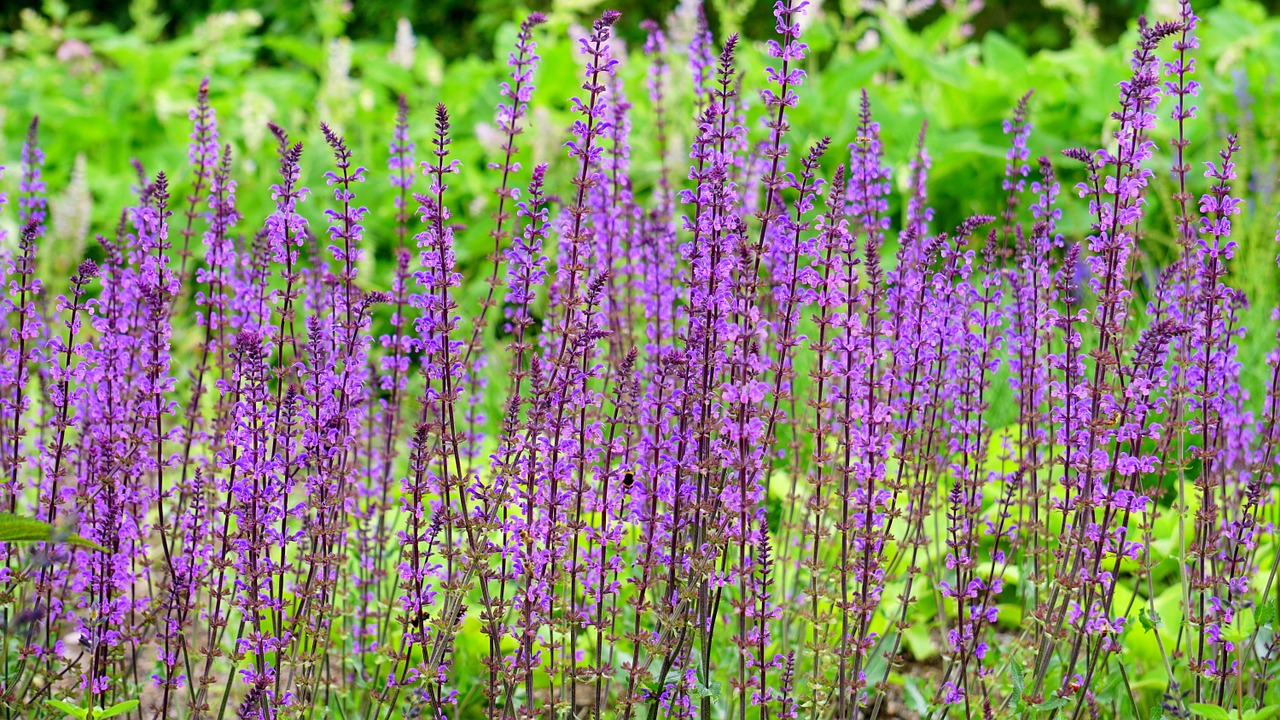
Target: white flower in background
489, 136
402, 53
72, 211
217, 28
434, 71
73, 49
869, 41
338, 72
335, 95
168, 107
682, 23
1164, 10
546, 141
255, 111
810, 15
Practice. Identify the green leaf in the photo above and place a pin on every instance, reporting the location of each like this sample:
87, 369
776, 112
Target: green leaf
1003, 56
919, 642
1053, 704
1213, 712
18, 529
1019, 684
915, 699
73, 710
1265, 713
1149, 621
1157, 713
117, 709
701, 690
1264, 614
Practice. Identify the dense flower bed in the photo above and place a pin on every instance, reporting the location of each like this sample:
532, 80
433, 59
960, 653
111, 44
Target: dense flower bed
745, 457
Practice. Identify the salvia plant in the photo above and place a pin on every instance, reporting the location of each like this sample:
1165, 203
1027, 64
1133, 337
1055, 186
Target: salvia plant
738, 442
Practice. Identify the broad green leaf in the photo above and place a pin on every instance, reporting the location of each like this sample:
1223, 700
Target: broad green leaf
701, 690
1264, 614
916, 61
18, 529
117, 709
73, 710
919, 643
304, 51
1019, 684
1265, 713
1009, 615
1213, 712
1052, 704
1003, 56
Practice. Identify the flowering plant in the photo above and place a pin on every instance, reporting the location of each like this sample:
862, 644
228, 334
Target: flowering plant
762, 446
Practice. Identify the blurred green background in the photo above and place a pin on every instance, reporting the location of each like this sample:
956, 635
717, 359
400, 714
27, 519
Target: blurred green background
461, 27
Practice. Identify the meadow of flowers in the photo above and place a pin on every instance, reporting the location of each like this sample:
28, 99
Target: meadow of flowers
736, 443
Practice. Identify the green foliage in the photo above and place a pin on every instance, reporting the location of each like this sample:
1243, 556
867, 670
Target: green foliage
93, 712
1213, 712
118, 95
1054, 704
19, 529
1019, 685
1265, 614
